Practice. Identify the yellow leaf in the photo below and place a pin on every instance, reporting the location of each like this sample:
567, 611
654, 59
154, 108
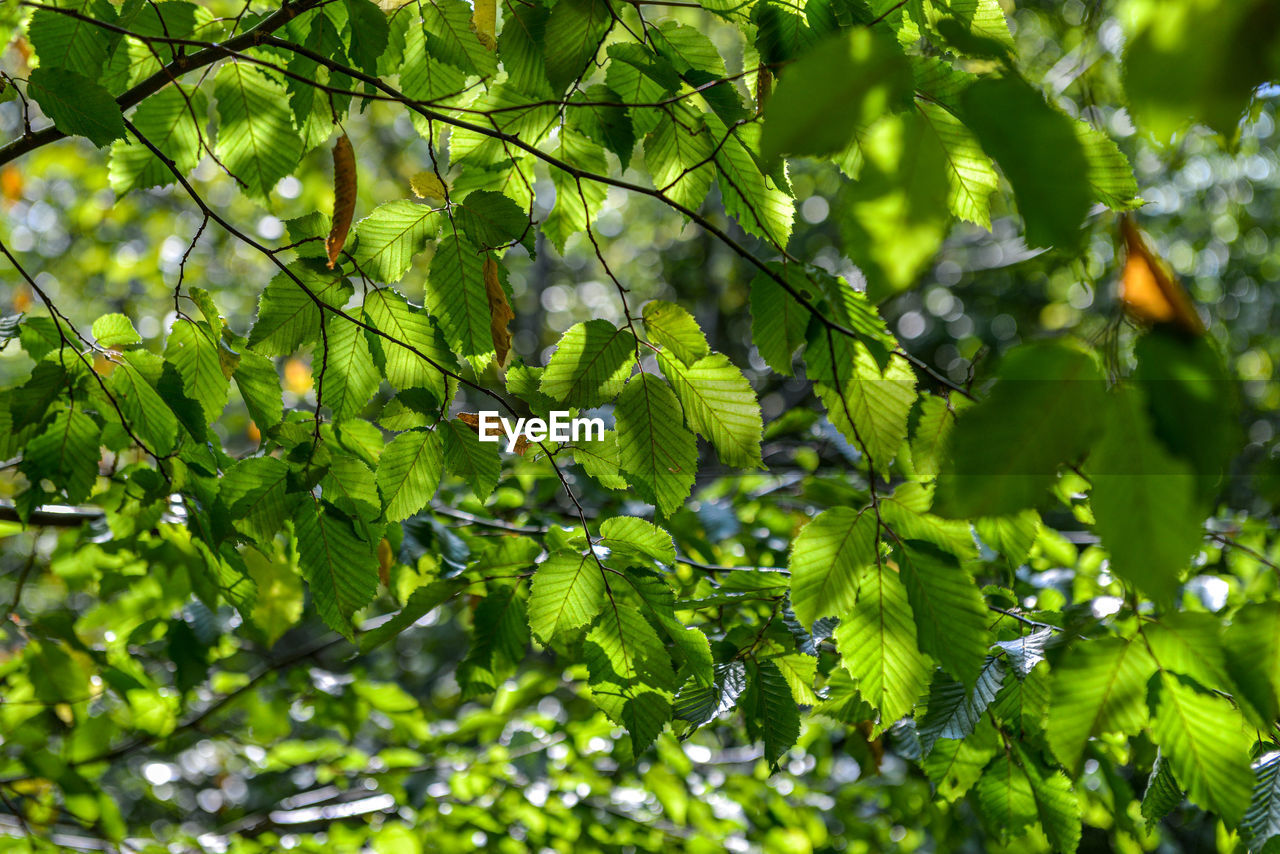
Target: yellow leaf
484, 21
427, 185
344, 196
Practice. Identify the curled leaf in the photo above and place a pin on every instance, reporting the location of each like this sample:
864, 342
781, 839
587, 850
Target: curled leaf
344, 197
1148, 290
472, 420
484, 20
500, 313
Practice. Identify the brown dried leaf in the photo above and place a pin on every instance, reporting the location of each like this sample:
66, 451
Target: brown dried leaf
500, 313
472, 420
344, 197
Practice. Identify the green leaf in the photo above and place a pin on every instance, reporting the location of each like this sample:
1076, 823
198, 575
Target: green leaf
576, 28
288, 316
954, 765
951, 616
1052, 392
421, 602
65, 451
895, 216
828, 557
76, 105
758, 202
655, 449
1110, 175
677, 153
719, 405
568, 591
674, 329
1057, 806
347, 377
171, 120
1252, 643
608, 126
193, 351
869, 406
256, 139
450, 37
971, 176
499, 639
389, 312
1143, 500
844, 83
390, 237
699, 704
493, 220
259, 385
630, 673
1005, 798
1039, 153
599, 459
255, 492
1163, 794
778, 320
578, 202
115, 331
639, 537
1261, 821
769, 701
877, 641
409, 472
467, 457
349, 486
341, 569
954, 711
1207, 744
658, 601
590, 365
905, 513
520, 48
1098, 687
457, 300
63, 41
145, 411
369, 33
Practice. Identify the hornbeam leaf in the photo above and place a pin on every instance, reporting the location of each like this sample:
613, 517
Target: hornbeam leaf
170, 120
770, 702
1163, 794
456, 297
843, 83
1207, 743
347, 377
389, 313
954, 765
1040, 154
720, 405
451, 38
568, 591
1005, 798
1098, 687
66, 453
677, 153
256, 139
409, 472
1026, 652
288, 317
698, 703
1252, 643
869, 406
758, 201
500, 637
590, 365
1056, 804
951, 616
115, 331
654, 447
971, 176
64, 41
1261, 822
674, 329
341, 569
778, 320
578, 202
827, 560
145, 411
467, 457
77, 105
877, 643
421, 602
390, 237
1143, 499
1051, 391
954, 710
576, 29
255, 492
194, 352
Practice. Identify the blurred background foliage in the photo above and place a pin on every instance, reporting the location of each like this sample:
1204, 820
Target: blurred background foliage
328, 750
